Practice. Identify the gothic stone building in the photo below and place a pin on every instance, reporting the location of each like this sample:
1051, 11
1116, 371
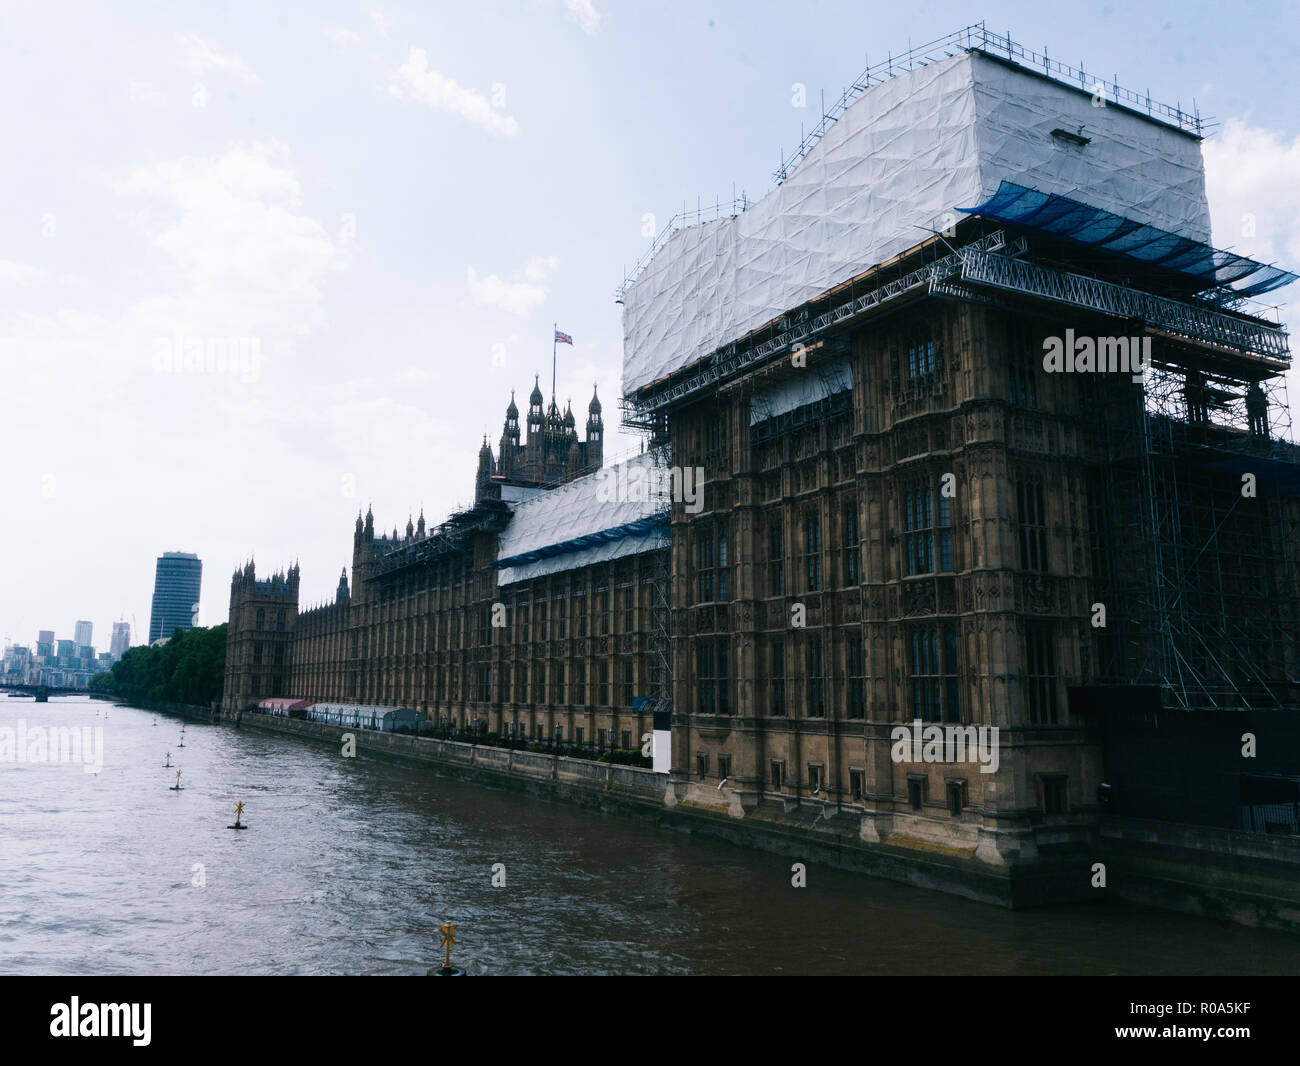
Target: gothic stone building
565, 575
907, 514
912, 515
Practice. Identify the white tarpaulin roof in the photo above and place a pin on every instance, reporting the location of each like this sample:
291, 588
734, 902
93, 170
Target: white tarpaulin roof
896, 166
585, 507
800, 391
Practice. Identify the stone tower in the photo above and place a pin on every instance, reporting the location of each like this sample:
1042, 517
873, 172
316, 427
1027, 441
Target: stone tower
259, 641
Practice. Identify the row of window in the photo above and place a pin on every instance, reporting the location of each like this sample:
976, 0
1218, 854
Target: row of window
933, 668
927, 543
260, 620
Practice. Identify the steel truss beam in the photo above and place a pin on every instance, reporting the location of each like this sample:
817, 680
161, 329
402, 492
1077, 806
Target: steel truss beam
1175, 316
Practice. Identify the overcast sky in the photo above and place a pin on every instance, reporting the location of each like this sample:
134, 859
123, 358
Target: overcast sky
386, 208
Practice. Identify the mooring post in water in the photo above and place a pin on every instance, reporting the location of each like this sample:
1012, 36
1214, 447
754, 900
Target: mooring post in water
239, 809
448, 942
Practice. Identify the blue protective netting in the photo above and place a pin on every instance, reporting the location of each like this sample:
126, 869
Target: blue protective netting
1063, 217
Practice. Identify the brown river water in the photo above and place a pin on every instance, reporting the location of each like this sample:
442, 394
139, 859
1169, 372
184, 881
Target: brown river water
349, 865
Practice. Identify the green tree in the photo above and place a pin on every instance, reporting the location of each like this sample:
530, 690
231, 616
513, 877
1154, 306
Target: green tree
189, 668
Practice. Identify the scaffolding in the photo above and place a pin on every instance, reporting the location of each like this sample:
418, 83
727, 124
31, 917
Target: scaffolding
1198, 577
661, 587
1199, 570
977, 37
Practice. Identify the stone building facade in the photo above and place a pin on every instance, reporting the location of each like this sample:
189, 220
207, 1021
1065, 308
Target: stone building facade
568, 658
914, 522
909, 522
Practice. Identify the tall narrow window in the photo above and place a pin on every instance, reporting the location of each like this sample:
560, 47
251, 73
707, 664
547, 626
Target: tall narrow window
704, 675
918, 530
920, 359
711, 565
812, 543
857, 678
932, 662
722, 566
1033, 527
776, 559
1022, 366
816, 680
927, 525
627, 681
852, 548
724, 684
704, 565
1040, 676
777, 675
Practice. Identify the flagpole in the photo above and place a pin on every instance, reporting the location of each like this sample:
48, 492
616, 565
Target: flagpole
555, 330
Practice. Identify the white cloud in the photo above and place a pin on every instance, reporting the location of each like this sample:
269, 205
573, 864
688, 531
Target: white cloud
342, 36
519, 298
584, 13
145, 92
415, 376
202, 59
540, 266
232, 228
443, 93
380, 21
1251, 182
225, 249
21, 273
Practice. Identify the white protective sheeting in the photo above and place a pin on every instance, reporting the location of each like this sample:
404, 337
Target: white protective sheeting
586, 505
895, 167
800, 391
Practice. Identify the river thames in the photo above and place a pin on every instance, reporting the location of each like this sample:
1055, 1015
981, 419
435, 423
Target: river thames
350, 865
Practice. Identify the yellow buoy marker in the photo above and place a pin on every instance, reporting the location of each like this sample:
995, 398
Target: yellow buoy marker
447, 943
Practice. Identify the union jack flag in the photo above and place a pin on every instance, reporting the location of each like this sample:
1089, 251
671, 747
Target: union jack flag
562, 338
